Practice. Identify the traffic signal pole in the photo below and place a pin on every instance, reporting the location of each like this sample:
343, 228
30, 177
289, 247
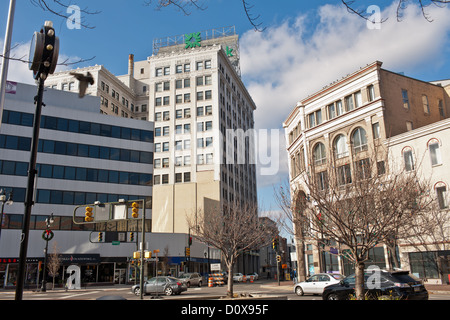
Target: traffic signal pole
141, 279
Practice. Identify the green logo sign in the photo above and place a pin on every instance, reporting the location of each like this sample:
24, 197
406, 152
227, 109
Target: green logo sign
192, 40
229, 52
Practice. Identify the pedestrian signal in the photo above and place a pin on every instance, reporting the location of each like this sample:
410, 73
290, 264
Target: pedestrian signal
100, 237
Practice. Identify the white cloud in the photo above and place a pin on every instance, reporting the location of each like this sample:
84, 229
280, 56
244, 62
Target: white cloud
17, 70
288, 62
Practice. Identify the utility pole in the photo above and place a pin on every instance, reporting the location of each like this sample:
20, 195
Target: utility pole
45, 50
5, 58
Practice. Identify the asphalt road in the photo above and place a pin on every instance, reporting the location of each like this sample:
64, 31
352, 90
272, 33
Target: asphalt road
257, 289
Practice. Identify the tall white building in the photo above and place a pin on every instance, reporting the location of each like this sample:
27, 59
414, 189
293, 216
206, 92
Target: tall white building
199, 105
203, 115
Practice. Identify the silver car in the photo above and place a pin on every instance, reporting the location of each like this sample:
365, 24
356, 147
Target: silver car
191, 279
160, 285
316, 283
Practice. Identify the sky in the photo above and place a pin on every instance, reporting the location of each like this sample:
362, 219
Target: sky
305, 45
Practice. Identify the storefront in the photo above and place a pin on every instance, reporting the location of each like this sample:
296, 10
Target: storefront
93, 270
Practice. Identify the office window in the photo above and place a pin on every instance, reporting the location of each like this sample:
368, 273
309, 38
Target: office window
165, 162
158, 72
441, 108
165, 131
200, 159
426, 106
178, 177
200, 65
340, 146
208, 125
322, 180
165, 146
319, 154
187, 160
187, 67
408, 159
166, 71
363, 170
331, 111
358, 99
187, 177
187, 144
349, 103
405, 99
409, 126
344, 175
179, 145
359, 140
187, 128
165, 179
376, 130
435, 153
157, 179
442, 197
208, 64
371, 93
179, 68
157, 147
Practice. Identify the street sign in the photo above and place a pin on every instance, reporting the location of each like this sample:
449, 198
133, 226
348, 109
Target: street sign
115, 243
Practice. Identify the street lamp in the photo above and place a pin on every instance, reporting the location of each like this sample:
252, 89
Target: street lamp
44, 52
4, 201
47, 236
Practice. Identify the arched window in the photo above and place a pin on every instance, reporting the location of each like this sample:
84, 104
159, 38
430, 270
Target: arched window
408, 158
435, 152
320, 156
441, 192
340, 146
359, 140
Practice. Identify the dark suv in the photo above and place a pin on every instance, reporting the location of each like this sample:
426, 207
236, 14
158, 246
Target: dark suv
396, 284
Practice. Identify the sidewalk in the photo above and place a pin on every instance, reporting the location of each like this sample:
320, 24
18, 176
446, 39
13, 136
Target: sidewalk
431, 288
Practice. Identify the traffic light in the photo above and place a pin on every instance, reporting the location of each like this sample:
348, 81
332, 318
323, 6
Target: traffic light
131, 236
190, 241
100, 237
135, 209
88, 214
275, 243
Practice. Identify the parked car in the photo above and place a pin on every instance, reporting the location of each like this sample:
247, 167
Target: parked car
254, 275
316, 283
398, 284
191, 279
239, 277
160, 285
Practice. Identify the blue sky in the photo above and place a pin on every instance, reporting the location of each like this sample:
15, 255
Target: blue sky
305, 46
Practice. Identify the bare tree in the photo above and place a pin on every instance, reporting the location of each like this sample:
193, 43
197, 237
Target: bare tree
54, 263
357, 206
186, 5
232, 229
351, 6
292, 222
